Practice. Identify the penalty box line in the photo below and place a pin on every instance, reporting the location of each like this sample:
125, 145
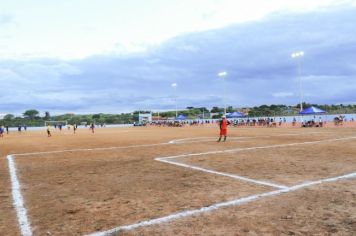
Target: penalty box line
18, 200
253, 148
176, 142
254, 181
235, 202
223, 174
237, 139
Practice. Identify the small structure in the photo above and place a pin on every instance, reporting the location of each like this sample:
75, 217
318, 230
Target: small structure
181, 117
312, 111
235, 114
144, 118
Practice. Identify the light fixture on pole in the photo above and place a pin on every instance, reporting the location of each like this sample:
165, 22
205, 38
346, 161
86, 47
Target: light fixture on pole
298, 55
222, 75
174, 86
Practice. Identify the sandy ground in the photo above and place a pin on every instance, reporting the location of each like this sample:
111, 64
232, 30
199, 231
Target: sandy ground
78, 192
328, 209
288, 165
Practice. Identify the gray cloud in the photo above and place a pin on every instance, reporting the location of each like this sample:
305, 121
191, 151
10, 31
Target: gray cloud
255, 55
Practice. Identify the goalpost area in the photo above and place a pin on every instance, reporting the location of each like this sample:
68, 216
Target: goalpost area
56, 122
179, 181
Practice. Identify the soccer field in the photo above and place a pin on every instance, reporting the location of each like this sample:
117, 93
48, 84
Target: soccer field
179, 181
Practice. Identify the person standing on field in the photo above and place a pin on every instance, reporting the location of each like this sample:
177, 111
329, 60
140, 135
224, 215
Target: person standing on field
223, 128
92, 127
49, 131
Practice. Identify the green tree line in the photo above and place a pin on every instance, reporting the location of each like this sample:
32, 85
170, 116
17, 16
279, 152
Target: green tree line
32, 117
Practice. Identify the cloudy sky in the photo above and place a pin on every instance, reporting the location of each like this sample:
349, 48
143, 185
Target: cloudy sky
117, 56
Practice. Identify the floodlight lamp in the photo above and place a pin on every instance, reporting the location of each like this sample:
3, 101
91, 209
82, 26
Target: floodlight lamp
222, 74
297, 54
174, 85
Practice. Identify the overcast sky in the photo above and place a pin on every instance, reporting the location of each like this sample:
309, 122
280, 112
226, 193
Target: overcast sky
118, 56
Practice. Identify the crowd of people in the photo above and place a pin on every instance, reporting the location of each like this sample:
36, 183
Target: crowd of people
268, 122
258, 122
69, 127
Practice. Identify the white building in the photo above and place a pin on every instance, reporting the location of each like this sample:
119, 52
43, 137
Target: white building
144, 118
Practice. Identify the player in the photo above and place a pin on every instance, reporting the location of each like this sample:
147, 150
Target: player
92, 126
2, 129
75, 127
223, 128
49, 131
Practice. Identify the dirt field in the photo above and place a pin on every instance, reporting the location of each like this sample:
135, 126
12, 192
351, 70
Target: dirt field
85, 183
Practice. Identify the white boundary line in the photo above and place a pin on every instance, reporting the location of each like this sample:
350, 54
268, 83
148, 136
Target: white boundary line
90, 149
235, 202
223, 174
151, 145
22, 212
210, 139
203, 139
258, 147
18, 200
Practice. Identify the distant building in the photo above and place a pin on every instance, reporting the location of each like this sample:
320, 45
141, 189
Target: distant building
145, 118
212, 114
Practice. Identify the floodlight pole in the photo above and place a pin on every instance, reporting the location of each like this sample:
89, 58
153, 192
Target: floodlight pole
176, 103
222, 76
298, 56
300, 83
174, 85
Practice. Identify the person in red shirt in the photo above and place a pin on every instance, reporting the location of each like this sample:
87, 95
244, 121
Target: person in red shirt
223, 128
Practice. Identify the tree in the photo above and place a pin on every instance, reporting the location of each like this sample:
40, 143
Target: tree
96, 116
47, 115
217, 110
31, 114
203, 109
9, 117
229, 109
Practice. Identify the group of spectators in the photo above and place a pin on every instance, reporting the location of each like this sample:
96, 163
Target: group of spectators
339, 120
258, 122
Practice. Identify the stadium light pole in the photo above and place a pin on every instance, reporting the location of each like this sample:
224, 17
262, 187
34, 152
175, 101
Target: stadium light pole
222, 75
297, 56
174, 86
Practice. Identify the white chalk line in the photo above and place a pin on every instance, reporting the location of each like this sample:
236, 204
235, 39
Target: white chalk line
239, 139
90, 149
235, 202
143, 145
258, 147
203, 139
18, 202
18, 199
223, 174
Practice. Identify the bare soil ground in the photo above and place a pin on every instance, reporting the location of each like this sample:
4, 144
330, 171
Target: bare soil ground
327, 209
288, 165
82, 191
